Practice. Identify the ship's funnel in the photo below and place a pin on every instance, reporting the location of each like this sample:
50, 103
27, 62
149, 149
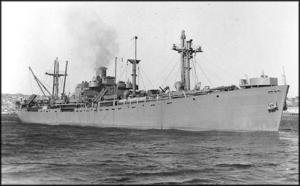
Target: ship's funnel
101, 71
182, 35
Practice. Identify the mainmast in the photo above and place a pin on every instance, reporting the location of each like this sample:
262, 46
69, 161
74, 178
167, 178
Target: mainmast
134, 62
186, 52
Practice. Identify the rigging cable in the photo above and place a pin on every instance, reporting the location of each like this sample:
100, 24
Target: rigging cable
204, 73
217, 75
166, 67
46, 82
219, 65
172, 70
177, 74
147, 77
193, 62
143, 82
194, 76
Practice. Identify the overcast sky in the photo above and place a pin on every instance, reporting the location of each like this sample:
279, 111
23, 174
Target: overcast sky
238, 39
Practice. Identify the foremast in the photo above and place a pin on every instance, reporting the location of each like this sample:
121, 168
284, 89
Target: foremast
186, 52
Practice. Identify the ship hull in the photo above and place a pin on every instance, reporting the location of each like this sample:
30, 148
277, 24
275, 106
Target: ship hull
238, 110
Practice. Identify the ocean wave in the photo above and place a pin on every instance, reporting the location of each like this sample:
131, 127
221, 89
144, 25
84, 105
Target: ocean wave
75, 155
199, 181
167, 173
236, 165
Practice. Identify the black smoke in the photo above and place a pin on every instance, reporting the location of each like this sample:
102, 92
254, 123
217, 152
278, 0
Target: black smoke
92, 40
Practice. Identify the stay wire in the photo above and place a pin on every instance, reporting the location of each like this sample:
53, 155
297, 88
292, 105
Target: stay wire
220, 66
143, 82
217, 75
193, 74
172, 70
204, 74
177, 74
193, 62
146, 76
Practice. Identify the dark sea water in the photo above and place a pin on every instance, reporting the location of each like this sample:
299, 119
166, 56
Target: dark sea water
44, 154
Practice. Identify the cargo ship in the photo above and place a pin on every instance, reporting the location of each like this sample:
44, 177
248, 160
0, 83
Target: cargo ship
256, 104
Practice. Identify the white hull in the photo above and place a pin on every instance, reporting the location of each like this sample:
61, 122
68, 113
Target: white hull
238, 110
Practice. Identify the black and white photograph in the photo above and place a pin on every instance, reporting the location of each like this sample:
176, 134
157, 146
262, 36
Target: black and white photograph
149, 92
